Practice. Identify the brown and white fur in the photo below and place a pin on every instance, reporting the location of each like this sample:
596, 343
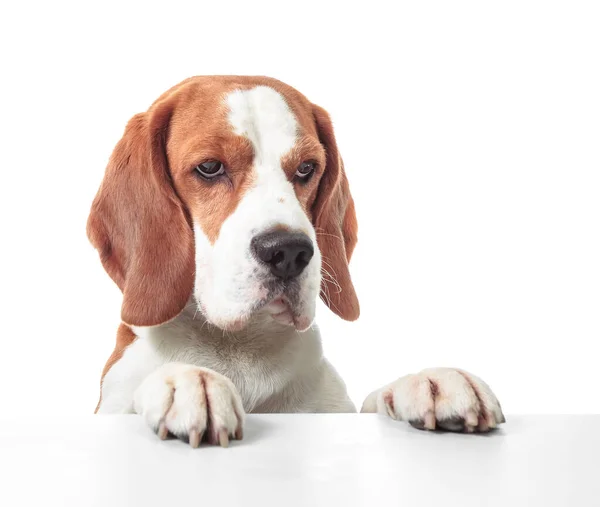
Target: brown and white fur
208, 333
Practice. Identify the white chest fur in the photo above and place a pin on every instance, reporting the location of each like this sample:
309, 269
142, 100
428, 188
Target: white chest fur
274, 368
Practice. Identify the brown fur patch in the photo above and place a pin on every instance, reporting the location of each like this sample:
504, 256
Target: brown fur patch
335, 223
125, 337
140, 227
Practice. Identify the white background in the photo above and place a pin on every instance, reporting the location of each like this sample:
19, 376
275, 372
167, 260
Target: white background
470, 132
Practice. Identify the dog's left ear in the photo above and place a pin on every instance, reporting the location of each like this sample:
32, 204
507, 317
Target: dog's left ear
335, 224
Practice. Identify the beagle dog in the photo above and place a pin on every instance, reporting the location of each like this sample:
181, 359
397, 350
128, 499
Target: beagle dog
223, 214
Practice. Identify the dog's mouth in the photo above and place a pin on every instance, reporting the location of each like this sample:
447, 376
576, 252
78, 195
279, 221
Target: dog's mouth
281, 311
283, 305
278, 301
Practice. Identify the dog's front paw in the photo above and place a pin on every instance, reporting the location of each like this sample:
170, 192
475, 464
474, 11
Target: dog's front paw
191, 403
444, 398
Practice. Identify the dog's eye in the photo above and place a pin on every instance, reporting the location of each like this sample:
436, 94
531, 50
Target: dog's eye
305, 169
210, 169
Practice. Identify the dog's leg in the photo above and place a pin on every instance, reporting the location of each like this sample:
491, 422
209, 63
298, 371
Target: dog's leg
191, 403
444, 398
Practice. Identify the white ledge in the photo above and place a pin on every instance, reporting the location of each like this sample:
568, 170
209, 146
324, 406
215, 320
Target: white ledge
301, 460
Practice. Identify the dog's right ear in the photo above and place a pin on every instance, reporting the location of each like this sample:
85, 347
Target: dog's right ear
335, 224
140, 227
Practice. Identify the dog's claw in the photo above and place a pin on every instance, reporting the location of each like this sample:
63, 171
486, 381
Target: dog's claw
195, 438
471, 421
429, 420
162, 430
239, 433
223, 438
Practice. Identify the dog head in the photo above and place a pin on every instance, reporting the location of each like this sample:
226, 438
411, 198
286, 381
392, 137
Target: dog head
230, 189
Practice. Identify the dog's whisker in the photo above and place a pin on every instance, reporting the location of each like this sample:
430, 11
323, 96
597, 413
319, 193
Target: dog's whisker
329, 277
327, 273
324, 261
333, 276
327, 300
328, 234
330, 302
320, 231
325, 293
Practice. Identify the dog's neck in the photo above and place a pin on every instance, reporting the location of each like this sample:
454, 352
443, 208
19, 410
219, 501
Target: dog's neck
261, 331
265, 360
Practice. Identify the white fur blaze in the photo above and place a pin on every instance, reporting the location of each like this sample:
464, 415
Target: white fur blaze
229, 280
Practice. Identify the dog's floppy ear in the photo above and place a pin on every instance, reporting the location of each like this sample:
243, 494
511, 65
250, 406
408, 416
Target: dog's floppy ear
335, 223
139, 226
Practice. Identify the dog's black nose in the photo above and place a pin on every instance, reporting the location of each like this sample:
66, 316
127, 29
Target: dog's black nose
286, 253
